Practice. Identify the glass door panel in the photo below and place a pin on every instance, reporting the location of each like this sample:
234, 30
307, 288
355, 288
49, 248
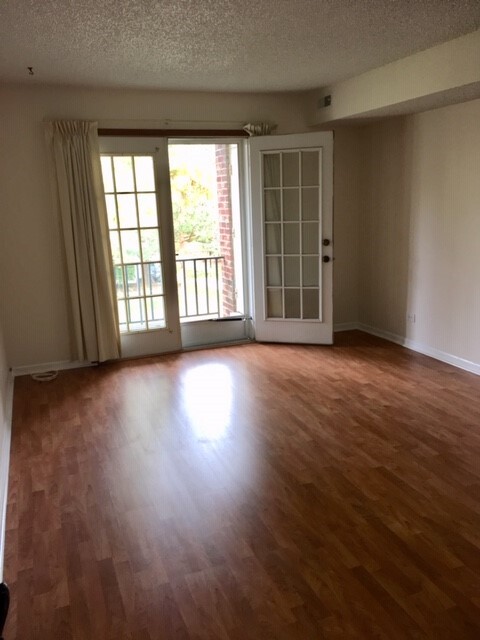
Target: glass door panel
137, 194
136, 238
292, 185
295, 236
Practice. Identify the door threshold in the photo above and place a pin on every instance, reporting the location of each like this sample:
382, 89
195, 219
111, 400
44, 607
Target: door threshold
218, 345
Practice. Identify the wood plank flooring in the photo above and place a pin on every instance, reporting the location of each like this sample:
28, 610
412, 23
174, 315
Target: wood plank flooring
258, 492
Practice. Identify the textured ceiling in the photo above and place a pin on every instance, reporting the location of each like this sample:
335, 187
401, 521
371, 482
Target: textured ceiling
218, 45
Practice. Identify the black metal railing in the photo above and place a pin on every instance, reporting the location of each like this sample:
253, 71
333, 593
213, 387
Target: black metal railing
199, 286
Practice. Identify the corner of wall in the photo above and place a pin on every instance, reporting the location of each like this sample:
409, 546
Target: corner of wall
419, 232
348, 187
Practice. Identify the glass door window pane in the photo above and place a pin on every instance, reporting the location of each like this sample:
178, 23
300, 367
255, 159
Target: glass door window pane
292, 271
107, 172
129, 183
271, 169
310, 238
144, 174
273, 210
150, 245
290, 169
311, 304
274, 272
155, 310
119, 282
291, 238
310, 271
310, 168
115, 248
111, 211
134, 280
130, 246
122, 315
123, 174
273, 238
127, 210
310, 203
292, 303
147, 209
291, 204
274, 303
292, 228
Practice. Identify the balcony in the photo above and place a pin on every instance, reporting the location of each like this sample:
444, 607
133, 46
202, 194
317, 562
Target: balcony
199, 283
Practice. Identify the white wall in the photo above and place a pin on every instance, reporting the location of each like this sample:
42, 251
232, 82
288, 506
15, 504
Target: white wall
420, 229
445, 74
348, 197
35, 313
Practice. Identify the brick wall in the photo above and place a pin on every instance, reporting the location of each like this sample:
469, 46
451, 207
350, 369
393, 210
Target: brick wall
224, 201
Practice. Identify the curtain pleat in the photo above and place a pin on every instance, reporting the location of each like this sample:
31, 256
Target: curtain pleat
78, 190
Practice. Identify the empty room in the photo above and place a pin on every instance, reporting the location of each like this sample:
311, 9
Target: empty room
240, 320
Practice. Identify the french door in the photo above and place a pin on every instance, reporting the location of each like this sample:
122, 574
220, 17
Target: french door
171, 295
175, 223
137, 192
292, 191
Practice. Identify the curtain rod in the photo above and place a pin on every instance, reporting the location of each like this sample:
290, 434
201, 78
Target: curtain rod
175, 133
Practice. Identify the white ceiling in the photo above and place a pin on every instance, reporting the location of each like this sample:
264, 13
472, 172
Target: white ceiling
218, 45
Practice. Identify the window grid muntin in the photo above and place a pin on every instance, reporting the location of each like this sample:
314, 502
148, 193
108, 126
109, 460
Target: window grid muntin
145, 324
300, 222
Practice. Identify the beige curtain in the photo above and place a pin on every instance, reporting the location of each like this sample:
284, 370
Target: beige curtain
78, 191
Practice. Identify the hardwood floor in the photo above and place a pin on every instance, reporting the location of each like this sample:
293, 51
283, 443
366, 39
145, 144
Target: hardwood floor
258, 492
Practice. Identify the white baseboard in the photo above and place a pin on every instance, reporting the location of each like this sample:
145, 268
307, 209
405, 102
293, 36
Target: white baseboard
62, 365
443, 356
217, 345
345, 326
386, 335
5, 439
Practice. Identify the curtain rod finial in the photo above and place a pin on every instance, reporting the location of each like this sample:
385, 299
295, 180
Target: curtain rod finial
259, 128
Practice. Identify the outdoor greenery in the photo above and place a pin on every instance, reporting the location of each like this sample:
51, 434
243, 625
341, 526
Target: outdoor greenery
192, 173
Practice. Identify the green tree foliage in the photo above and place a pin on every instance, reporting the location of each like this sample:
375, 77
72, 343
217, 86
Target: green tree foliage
194, 206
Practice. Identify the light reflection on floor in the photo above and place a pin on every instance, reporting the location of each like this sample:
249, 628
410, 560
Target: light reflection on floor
207, 396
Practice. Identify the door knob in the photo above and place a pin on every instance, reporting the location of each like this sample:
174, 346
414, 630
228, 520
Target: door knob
326, 258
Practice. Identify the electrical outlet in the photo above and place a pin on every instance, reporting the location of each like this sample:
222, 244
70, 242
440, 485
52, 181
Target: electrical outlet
411, 318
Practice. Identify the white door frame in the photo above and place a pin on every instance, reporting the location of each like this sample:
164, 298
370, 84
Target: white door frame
219, 331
